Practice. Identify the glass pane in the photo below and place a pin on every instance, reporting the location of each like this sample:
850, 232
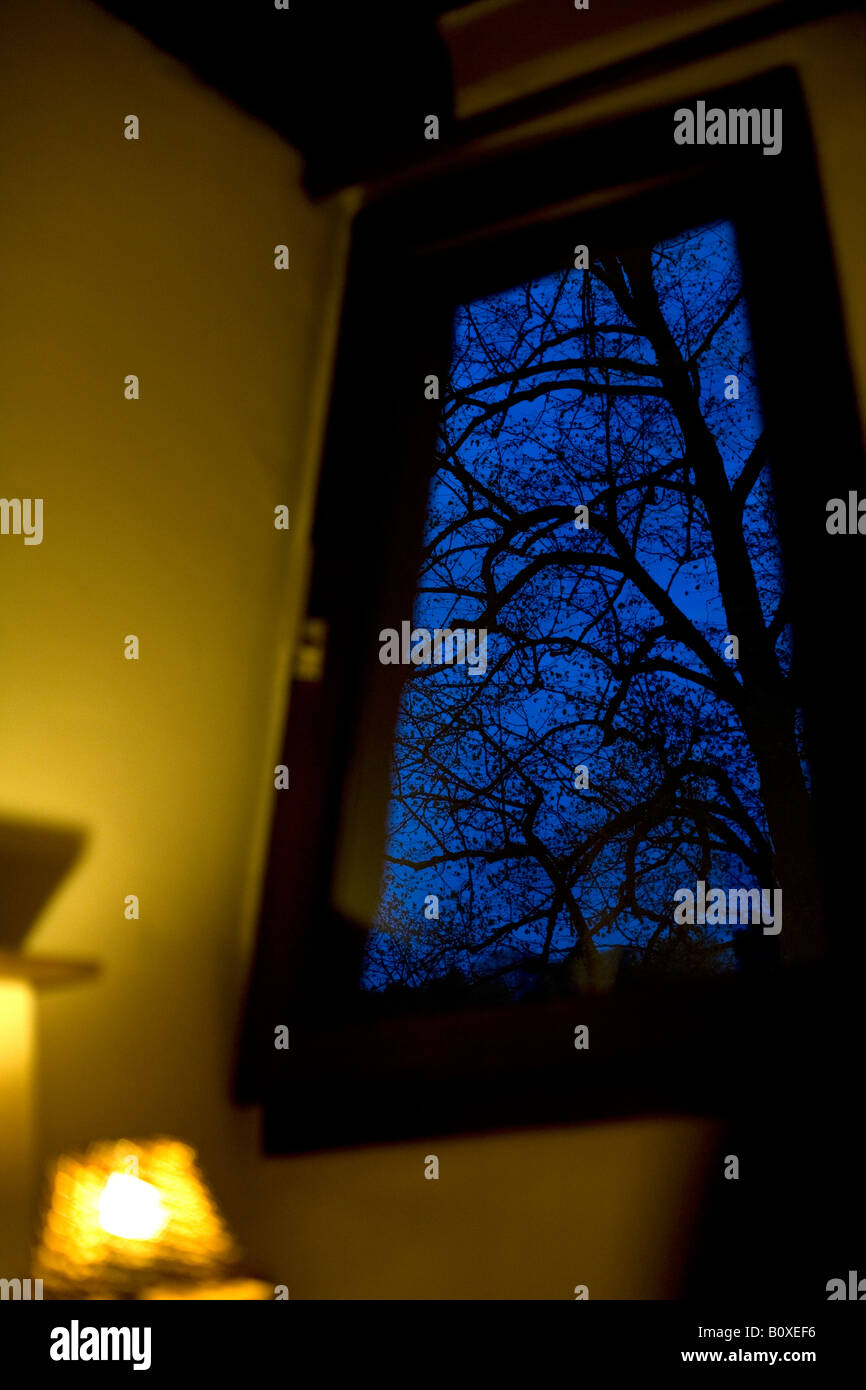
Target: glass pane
598, 770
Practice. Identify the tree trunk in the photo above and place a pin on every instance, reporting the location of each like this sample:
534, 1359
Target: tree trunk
768, 711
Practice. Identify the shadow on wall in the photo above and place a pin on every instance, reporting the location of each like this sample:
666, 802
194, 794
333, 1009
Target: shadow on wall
34, 859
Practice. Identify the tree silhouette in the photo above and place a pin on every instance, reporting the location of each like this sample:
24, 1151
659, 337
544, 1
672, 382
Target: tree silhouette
609, 389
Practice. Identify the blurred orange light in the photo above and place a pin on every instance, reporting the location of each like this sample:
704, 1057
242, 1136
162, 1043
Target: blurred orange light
128, 1214
131, 1208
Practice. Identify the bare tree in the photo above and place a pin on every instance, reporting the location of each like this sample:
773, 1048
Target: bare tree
608, 635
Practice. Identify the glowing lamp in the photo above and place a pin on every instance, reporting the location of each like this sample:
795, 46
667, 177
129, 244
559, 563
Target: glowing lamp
127, 1215
131, 1208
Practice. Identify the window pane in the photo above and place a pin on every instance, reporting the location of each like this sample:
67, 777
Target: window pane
598, 756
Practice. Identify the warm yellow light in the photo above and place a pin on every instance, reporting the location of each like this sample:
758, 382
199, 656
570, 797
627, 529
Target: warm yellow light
127, 1214
17, 1123
131, 1208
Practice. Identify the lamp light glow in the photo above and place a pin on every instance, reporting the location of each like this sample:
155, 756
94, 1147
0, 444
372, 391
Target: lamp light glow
126, 1215
131, 1208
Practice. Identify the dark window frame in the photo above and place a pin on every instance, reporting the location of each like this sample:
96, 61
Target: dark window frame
484, 223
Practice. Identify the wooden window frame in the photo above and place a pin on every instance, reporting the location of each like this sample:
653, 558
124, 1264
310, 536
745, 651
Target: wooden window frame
485, 223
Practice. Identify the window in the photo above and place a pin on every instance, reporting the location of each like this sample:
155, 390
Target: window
572, 764
582, 737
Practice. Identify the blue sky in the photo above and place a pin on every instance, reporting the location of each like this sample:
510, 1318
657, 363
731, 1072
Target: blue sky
471, 753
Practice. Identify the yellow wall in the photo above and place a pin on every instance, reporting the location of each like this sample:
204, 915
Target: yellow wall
156, 258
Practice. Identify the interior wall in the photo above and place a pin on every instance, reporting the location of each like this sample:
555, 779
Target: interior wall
156, 258
152, 257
